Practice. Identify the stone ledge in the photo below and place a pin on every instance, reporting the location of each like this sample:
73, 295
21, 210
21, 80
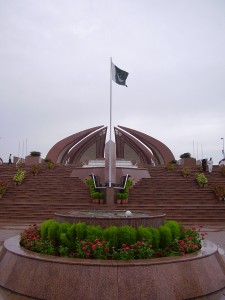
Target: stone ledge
48, 277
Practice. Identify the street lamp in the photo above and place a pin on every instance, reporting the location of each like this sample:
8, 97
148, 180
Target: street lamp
223, 147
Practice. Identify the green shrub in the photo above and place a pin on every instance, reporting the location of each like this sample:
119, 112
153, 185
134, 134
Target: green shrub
53, 232
155, 236
119, 195
72, 233
173, 161
44, 228
201, 178
170, 166
64, 241
35, 153
111, 235
64, 251
127, 235
19, 176
175, 228
121, 243
165, 236
50, 165
144, 234
94, 232
125, 195
64, 227
81, 229
35, 169
185, 155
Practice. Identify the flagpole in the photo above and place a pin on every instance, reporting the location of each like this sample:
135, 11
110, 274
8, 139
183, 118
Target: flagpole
110, 127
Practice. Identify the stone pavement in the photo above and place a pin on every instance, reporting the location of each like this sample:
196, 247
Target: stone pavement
216, 234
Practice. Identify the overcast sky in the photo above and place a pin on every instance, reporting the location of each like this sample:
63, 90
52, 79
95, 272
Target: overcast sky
55, 72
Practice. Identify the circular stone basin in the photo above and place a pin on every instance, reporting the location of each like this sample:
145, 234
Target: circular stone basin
106, 218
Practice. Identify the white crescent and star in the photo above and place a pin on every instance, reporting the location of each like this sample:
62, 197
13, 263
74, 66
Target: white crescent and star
119, 79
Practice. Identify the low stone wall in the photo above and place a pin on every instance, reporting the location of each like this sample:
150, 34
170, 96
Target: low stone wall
47, 277
114, 218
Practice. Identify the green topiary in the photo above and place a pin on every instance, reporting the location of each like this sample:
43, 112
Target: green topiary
144, 234
175, 228
94, 232
127, 235
72, 233
44, 228
165, 236
111, 235
81, 229
155, 236
35, 153
185, 155
53, 232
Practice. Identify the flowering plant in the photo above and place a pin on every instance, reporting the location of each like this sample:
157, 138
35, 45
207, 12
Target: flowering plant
96, 249
219, 191
201, 179
186, 172
3, 187
35, 169
138, 250
71, 240
170, 166
31, 240
189, 242
19, 176
50, 165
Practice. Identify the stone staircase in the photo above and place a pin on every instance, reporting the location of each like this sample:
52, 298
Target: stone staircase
181, 199
39, 197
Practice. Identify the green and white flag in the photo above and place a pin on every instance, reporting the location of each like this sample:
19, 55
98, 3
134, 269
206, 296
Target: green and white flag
118, 75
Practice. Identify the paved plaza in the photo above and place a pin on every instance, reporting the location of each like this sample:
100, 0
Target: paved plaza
216, 234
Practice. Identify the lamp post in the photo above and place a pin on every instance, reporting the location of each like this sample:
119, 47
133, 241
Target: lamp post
223, 147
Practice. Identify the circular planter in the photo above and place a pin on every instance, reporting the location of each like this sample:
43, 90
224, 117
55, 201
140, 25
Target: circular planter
48, 277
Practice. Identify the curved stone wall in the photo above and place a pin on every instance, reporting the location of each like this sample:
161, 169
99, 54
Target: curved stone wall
111, 218
46, 277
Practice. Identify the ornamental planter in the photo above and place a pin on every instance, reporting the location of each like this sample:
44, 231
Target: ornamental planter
101, 201
32, 160
46, 277
188, 162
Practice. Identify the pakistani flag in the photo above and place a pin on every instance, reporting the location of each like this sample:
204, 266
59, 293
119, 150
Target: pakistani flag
118, 75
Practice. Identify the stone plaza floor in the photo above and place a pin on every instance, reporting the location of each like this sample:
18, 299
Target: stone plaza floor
216, 234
